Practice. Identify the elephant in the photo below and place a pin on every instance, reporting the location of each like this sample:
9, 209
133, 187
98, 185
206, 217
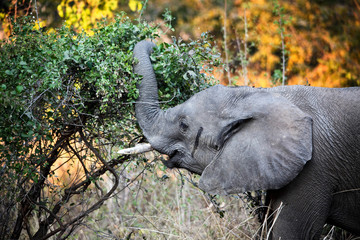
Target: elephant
299, 143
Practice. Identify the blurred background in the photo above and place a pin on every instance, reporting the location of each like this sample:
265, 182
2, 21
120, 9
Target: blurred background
314, 42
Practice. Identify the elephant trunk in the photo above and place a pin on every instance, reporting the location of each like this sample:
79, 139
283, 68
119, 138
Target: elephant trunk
147, 107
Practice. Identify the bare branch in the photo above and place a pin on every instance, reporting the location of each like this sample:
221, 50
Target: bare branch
82, 186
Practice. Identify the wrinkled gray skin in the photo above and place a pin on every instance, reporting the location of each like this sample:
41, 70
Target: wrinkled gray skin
300, 143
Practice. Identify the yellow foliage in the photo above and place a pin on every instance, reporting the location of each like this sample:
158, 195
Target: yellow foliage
84, 14
135, 5
40, 24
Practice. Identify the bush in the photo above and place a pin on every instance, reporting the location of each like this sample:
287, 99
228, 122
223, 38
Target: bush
66, 102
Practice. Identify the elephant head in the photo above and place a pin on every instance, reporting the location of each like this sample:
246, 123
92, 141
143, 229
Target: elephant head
238, 139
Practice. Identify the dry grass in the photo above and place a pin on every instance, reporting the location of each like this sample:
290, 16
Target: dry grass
157, 208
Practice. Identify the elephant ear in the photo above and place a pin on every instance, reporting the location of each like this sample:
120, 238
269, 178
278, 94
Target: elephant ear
266, 141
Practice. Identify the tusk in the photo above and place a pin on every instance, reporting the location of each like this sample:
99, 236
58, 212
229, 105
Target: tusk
139, 148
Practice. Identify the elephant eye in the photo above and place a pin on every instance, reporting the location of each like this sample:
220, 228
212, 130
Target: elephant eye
183, 126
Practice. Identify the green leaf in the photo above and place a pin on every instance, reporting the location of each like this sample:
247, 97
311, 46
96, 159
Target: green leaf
19, 88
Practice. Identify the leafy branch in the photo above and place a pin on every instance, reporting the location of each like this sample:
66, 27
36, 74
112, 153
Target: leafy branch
67, 109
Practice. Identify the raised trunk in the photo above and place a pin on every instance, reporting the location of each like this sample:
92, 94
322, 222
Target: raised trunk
147, 106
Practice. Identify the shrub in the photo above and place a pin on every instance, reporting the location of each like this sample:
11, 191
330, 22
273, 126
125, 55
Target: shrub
66, 102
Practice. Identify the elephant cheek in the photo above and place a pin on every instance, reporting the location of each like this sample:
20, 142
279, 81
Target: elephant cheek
204, 157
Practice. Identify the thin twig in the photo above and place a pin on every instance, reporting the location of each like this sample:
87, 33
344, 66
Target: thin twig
225, 44
34, 101
37, 16
106, 164
283, 52
142, 10
277, 213
244, 61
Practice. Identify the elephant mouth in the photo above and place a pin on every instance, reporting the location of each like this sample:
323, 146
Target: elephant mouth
177, 159
174, 160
